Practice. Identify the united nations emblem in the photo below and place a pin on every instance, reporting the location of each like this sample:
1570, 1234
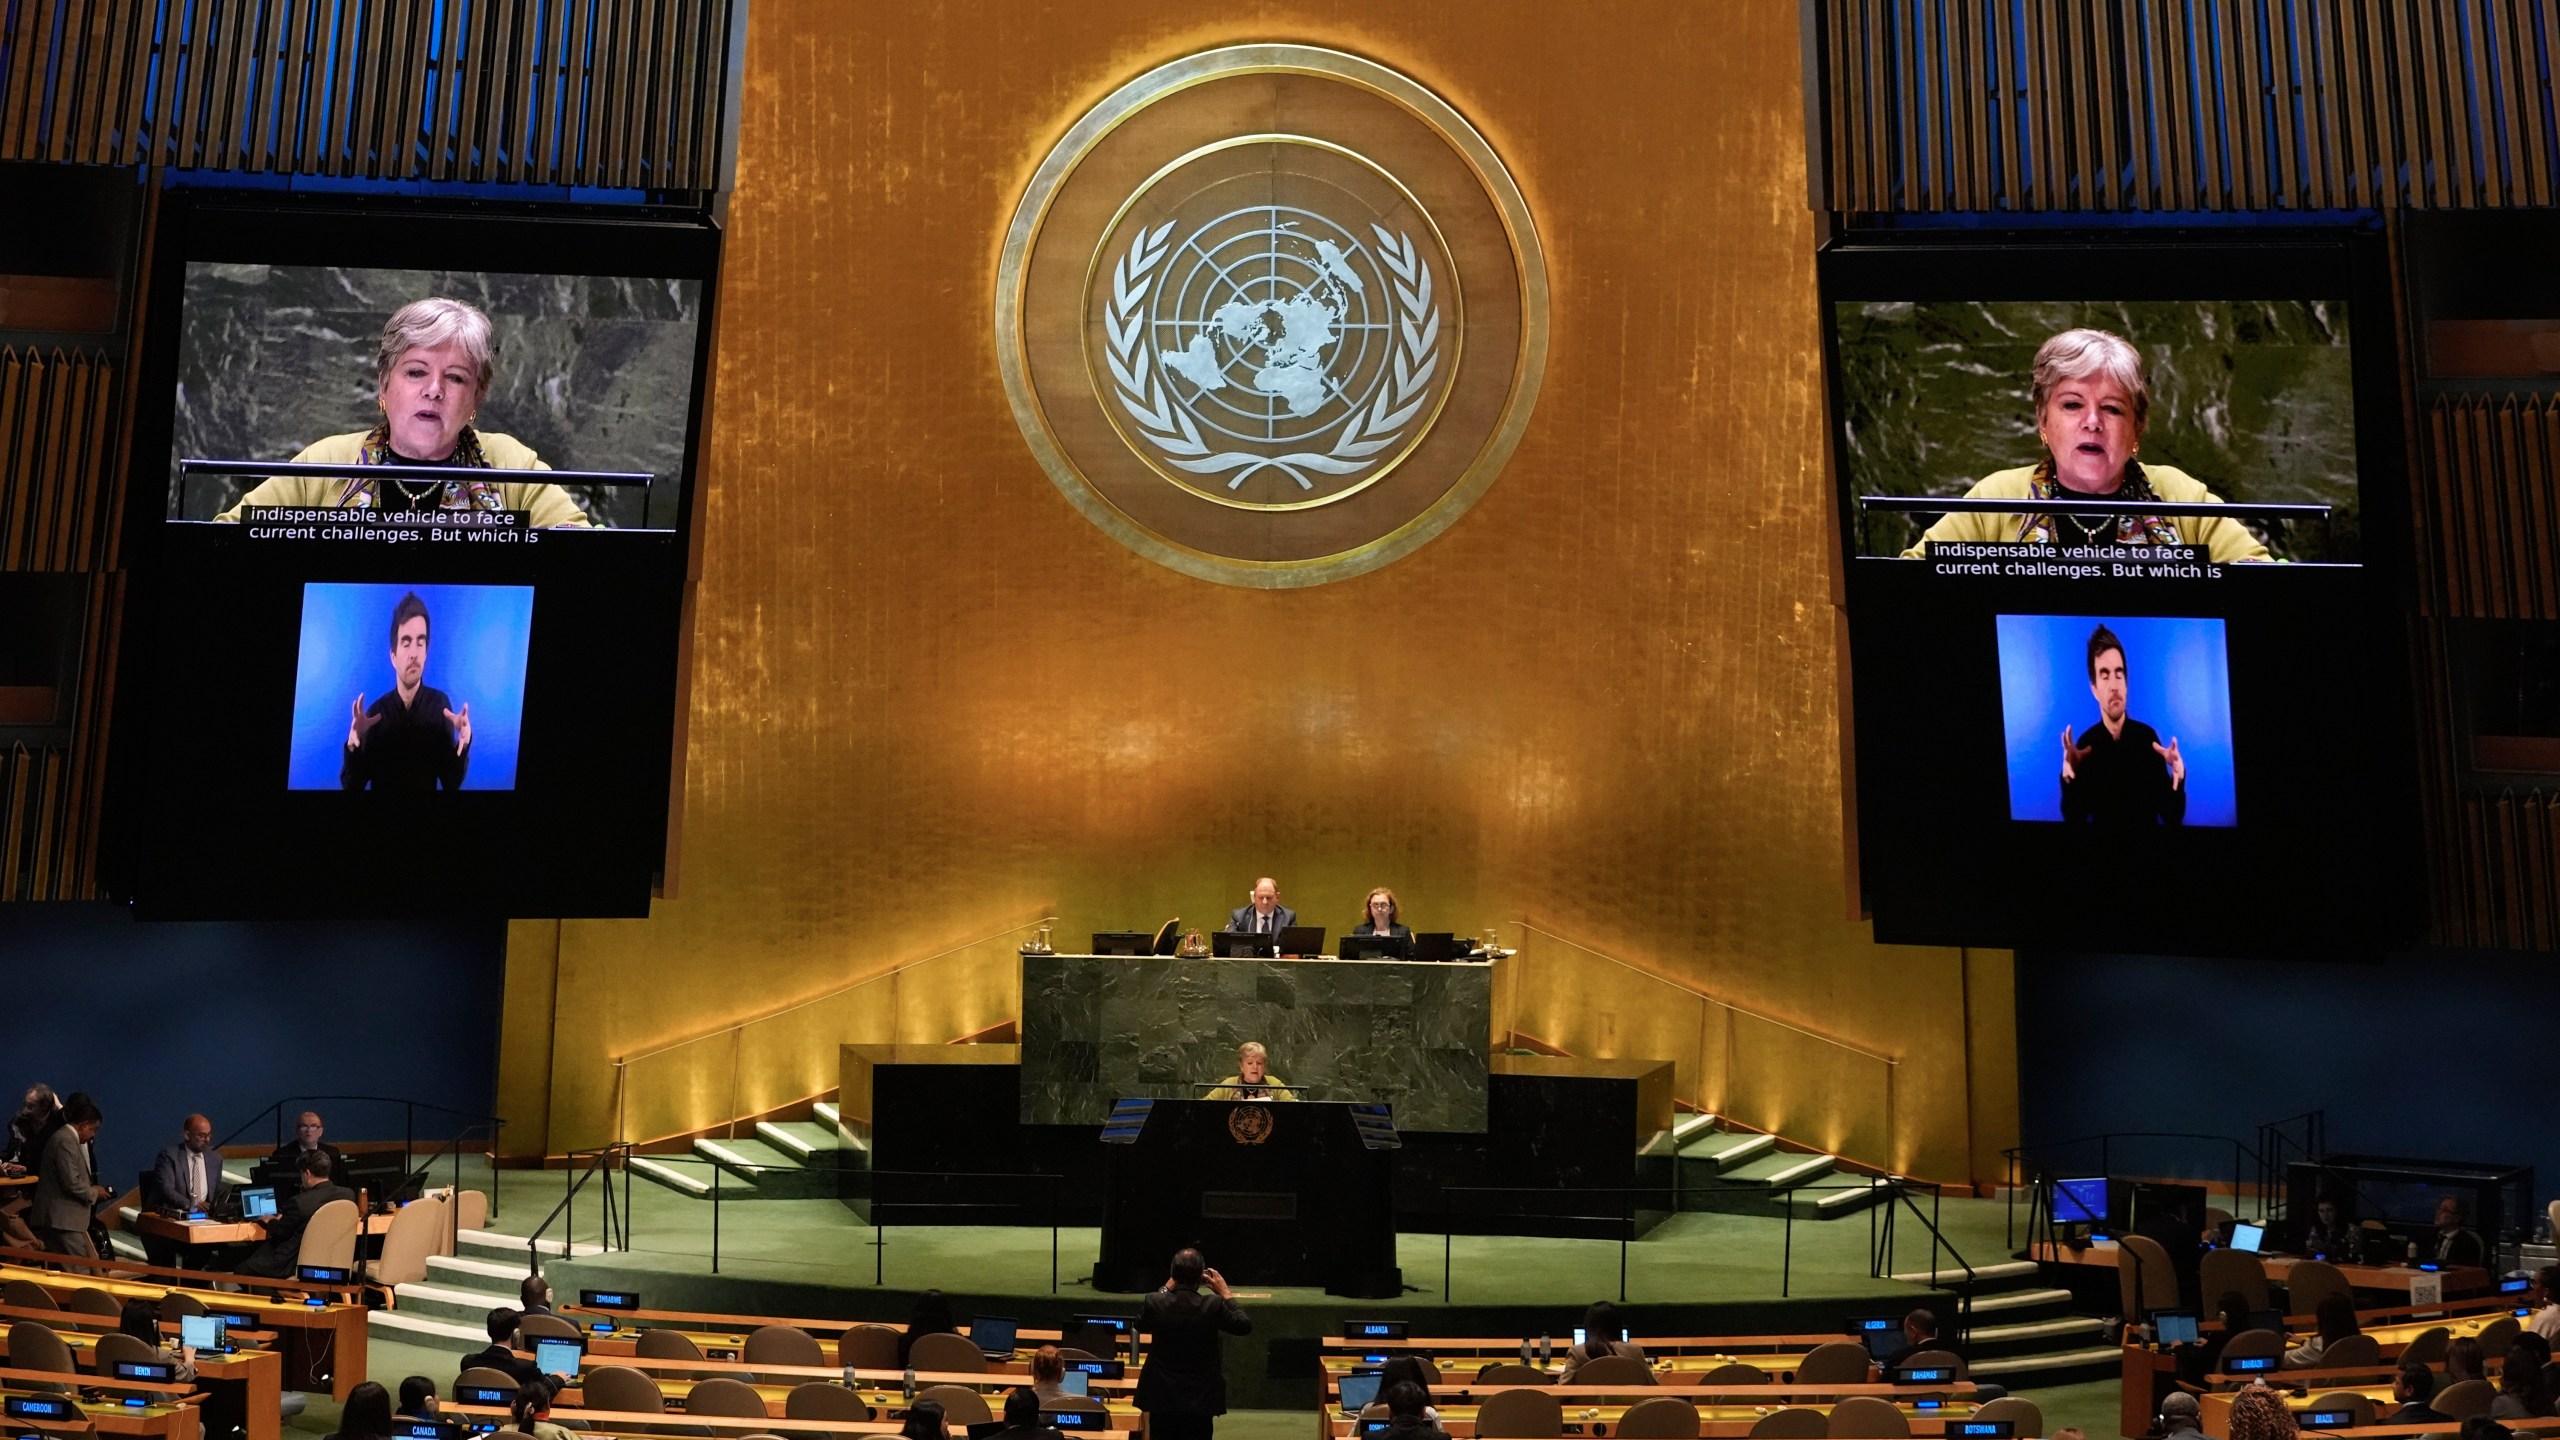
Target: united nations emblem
1249, 1124
1275, 355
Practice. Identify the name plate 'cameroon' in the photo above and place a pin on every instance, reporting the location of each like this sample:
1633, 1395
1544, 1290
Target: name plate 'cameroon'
1272, 315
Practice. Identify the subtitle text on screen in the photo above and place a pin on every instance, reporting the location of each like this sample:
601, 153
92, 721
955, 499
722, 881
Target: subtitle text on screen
367, 527
1965, 558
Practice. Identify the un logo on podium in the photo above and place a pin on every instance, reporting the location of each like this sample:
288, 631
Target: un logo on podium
1273, 354
1249, 1124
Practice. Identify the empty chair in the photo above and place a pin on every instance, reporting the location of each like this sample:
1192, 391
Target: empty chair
1520, 1415
2223, 1271
1511, 1372
177, 1305
90, 1300
2427, 1347
1614, 1370
28, 1295
117, 1348
418, 1229
2498, 1336
2311, 1281
34, 1346
2463, 1399
1864, 1417
330, 1237
471, 1210
1664, 1417
2349, 1400
1069, 1352
2249, 1344
509, 1435
2025, 1415
500, 1380
2145, 1280
668, 1345
724, 1396
819, 1400
1933, 1360
1842, 1362
1735, 1372
960, 1404
784, 1345
868, 1347
619, 1387
1793, 1423
2350, 1350
947, 1355
545, 1327
2215, 1218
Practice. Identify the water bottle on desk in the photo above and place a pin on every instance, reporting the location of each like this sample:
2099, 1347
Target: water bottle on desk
911, 1382
849, 1383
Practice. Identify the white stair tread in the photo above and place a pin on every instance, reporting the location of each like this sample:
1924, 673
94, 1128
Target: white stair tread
515, 1244
2004, 1270
469, 1265
671, 1175
1810, 1165
782, 1139
1851, 1195
421, 1290
826, 1112
440, 1330
2034, 1330
2014, 1300
2057, 1360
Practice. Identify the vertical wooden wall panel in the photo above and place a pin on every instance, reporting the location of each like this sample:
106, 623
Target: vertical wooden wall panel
380, 89
2191, 104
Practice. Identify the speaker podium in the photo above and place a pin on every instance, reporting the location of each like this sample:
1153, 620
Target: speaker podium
1294, 1193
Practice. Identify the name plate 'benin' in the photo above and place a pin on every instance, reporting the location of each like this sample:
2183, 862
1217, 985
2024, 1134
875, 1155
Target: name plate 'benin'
1272, 315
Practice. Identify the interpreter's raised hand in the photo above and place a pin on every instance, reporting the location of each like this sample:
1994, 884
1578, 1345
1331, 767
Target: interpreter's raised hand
358, 722
2177, 762
461, 726
2072, 755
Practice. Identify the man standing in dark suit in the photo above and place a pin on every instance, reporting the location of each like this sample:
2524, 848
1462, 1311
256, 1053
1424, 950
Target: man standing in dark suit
1265, 915
67, 1190
280, 1254
1183, 1388
186, 1178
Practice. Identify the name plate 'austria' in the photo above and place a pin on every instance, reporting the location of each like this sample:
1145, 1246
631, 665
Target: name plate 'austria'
1272, 315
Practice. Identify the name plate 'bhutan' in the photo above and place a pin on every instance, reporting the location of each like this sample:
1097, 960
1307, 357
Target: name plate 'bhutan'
1272, 315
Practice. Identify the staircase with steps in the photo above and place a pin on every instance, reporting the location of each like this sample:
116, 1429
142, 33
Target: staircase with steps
782, 1160
449, 1309
2022, 1334
1745, 1172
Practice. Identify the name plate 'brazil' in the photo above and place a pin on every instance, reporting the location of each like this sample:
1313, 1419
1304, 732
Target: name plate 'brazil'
1272, 315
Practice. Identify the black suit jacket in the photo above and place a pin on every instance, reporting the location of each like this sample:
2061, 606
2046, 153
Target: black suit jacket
275, 1258
2462, 1249
1240, 920
499, 1357
1186, 1371
288, 1155
1396, 930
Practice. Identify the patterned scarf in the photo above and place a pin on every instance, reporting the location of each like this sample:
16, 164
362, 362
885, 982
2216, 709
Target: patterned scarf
459, 494
2039, 529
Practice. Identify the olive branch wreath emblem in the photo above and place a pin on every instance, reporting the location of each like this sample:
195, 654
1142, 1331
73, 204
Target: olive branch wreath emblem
1170, 428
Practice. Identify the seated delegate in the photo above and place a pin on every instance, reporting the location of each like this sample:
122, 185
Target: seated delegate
1381, 916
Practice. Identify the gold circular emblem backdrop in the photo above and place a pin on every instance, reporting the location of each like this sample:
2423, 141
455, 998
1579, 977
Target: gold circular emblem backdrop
1272, 315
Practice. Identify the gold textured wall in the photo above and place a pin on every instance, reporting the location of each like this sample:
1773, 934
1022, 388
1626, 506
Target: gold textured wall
930, 700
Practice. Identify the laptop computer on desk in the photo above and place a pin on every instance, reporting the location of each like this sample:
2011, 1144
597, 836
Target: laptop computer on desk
1436, 946
1376, 947
1302, 940
258, 1202
1244, 945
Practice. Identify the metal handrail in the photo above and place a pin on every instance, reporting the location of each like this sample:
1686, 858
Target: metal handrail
598, 1159
1882, 1258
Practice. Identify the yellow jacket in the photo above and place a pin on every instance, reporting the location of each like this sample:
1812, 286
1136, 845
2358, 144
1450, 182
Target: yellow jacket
1230, 1089
2224, 540
547, 506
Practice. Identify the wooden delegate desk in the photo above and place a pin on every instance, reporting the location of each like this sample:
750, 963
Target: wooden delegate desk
243, 1390
674, 1376
2148, 1372
1716, 1420
626, 1422
323, 1346
2382, 1279
195, 1233
623, 1343
168, 1412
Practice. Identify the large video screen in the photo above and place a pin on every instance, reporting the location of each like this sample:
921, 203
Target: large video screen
415, 578
2122, 676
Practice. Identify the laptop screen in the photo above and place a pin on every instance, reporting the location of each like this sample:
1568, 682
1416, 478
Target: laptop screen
556, 1356
994, 1333
1359, 1391
1076, 1382
1882, 1335
258, 1202
200, 1332
2248, 1237
2080, 1201
2176, 1327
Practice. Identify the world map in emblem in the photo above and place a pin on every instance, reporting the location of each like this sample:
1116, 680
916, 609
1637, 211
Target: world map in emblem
1275, 339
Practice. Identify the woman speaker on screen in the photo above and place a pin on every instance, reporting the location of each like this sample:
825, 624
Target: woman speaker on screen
432, 369
2091, 402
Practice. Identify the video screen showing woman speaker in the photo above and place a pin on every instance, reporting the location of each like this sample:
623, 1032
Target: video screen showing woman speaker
497, 377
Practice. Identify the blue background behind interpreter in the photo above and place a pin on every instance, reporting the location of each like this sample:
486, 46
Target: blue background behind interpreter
477, 640
2177, 681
